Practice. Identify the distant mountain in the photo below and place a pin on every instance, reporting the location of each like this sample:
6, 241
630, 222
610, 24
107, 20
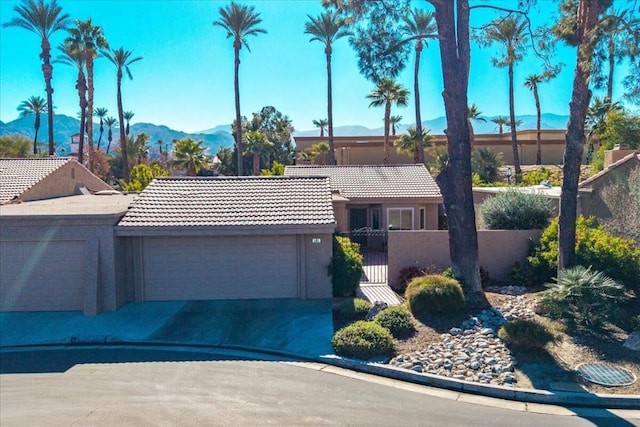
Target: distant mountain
65, 126
219, 128
439, 124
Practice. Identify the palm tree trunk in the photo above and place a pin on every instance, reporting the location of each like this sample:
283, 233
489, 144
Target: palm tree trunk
83, 118
101, 132
387, 115
90, 109
47, 71
588, 13
36, 125
109, 139
419, 156
236, 86
82, 95
538, 126
123, 137
256, 164
332, 147
512, 119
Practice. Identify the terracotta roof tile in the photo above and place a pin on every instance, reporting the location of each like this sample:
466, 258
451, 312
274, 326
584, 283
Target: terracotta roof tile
245, 201
18, 175
374, 181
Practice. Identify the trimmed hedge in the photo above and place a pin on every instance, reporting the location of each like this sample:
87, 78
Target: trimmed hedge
434, 294
352, 309
364, 340
346, 266
396, 319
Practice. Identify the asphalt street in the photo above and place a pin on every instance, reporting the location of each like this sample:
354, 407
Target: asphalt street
261, 393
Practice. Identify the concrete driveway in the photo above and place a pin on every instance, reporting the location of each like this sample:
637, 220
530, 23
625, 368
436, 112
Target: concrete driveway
301, 328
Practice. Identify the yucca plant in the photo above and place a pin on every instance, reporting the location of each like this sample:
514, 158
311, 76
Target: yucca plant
588, 298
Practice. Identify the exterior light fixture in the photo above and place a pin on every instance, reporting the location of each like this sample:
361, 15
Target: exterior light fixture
509, 173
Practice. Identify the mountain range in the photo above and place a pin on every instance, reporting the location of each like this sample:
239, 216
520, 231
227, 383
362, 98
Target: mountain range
220, 136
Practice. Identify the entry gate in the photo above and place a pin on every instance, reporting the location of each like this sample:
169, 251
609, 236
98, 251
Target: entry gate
373, 246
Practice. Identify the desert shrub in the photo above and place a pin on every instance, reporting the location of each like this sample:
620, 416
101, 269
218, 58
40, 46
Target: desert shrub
434, 294
406, 275
346, 266
352, 309
515, 210
448, 272
616, 257
583, 297
486, 163
396, 319
535, 177
520, 275
527, 334
363, 340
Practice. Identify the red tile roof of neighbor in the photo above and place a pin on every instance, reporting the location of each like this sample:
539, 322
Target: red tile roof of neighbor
374, 181
18, 175
236, 201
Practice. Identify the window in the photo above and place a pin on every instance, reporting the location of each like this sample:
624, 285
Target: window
375, 218
423, 219
400, 218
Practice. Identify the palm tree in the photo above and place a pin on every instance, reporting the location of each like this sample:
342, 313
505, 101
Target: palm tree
122, 60
500, 121
88, 38
256, 143
327, 28
73, 57
394, 121
189, 155
509, 32
322, 124
386, 93
127, 115
101, 113
596, 119
531, 82
409, 142
486, 163
43, 20
110, 122
239, 21
35, 105
138, 149
473, 113
320, 150
419, 26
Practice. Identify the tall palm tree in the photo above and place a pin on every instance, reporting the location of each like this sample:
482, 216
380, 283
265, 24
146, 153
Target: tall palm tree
75, 58
419, 26
510, 32
256, 143
387, 93
127, 115
327, 28
88, 38
531, 82
596, 119
43, 19
138, 149
501, 121
110, 122
101, 113
122, 60
322, 124
394, 121
473, 113
189, 155
35, 105
240, 22
408, 143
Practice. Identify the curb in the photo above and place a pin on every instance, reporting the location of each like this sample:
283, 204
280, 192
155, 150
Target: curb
591, 400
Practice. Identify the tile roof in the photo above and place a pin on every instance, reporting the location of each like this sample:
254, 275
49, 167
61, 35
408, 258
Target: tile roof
236, 201
374, 181
18, 175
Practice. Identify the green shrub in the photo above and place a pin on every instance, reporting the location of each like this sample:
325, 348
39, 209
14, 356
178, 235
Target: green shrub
583, 297
520, 275
346, 266
516, 210
352, 309
616, 257
527, 334
634, 323
486, 163
397, 319
434, 294
364, 340
535, 177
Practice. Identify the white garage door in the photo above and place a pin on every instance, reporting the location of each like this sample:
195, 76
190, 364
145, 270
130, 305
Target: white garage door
236, 267
42, 276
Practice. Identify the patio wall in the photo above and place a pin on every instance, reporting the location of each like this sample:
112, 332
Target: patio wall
498, 250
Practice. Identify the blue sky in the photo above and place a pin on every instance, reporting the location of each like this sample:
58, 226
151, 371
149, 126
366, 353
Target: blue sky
185, 80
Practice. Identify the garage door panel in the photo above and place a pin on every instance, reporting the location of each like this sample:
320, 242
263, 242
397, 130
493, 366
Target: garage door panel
42, 276
231, 267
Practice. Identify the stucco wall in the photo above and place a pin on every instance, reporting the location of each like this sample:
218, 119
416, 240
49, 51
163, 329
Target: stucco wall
64, 182
498, 250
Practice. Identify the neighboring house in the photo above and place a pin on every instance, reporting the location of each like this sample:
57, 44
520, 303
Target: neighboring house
397, 197
612, 195
45, 178
230, 238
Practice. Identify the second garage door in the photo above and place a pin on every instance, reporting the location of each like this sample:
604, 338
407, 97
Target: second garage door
234, 267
